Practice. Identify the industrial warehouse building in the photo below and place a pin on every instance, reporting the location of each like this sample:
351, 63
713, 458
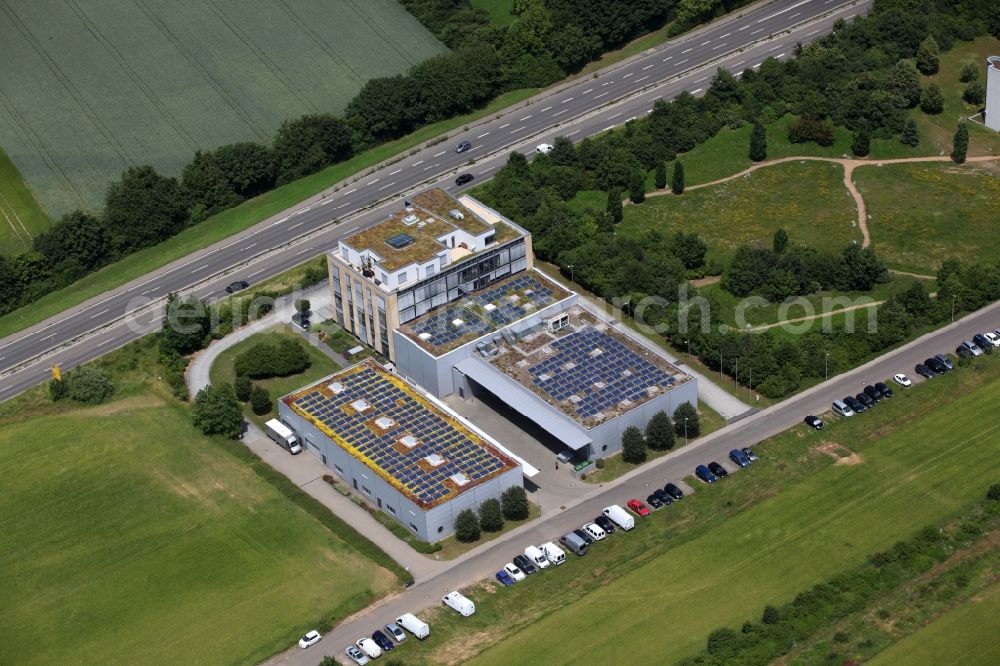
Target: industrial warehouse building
398, 447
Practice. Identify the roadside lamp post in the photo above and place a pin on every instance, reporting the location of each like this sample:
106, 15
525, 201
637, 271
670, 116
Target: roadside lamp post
685, 431
572, 274
953, 308
826, 365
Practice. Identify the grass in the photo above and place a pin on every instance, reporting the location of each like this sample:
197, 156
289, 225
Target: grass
179, 77
806, 199
320, 366
131, 537
21, 216
794, 519
922, 214
501, 11
959, 636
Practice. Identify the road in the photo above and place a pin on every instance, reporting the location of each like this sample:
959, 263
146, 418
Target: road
488, 558
583, 108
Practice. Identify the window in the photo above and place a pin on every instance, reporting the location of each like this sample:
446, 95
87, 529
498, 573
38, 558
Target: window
413, 527
440, 529
368, 492
338, 468
404, 277
391, 510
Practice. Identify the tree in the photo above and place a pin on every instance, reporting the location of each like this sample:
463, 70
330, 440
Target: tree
467, 527
910, 135
660, 432
637, 187
903, 81
303, 305
931, 100
514, 503
771, 615
975, 93
633, 446
615, 205
491, 516
661, 175
689, 248
242, 386
722, 640
260, 400
217, 412
186, 325
862, 268
780, 241
142, 209
928, 56
90, 386
861, 144
686, 420
960, 144
58, 389
307, 144
758, 142
677, 182
970, 72
78, 242
993, 494
248, 167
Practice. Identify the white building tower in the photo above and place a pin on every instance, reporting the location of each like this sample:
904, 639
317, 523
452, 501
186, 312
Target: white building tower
993, 93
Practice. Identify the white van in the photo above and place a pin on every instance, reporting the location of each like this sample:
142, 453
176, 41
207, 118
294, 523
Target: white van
460, 603
595, 531
841, 408
620, 516
553, 553
283, 436
414, 625
544, 148
536, 557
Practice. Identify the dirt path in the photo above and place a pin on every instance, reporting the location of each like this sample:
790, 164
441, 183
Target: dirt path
849, 166
860, 306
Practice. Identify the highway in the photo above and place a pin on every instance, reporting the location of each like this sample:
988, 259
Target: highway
485, 560
587, 106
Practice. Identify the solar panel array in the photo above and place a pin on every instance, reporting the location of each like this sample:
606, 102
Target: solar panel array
598, 380
479, 321
380, 449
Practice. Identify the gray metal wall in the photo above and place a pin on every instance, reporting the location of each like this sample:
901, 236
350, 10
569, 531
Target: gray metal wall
608, 436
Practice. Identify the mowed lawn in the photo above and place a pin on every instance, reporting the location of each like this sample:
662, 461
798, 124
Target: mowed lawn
922, 214
960, 636
129, 538
807, 199
91, 88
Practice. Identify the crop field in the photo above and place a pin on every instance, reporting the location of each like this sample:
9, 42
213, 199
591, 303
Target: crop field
21, 217
91, 88
818, 504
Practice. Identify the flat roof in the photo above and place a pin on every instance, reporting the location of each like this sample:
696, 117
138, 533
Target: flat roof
483, 312
411, 234
589, 371
416, 446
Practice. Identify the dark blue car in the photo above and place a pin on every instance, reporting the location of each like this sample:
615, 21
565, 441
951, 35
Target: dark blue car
705, 474
504, 577
739, 458
382, 640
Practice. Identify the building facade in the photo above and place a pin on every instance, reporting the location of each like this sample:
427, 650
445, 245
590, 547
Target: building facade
992, 113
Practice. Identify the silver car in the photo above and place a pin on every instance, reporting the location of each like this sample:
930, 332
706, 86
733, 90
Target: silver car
397, 634
356, 655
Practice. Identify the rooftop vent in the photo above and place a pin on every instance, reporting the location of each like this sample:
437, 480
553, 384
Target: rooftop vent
457, 322
424, 336
336, 388
459, 479
359, 405
401, 240
409, 441
384, 422
410, 220
434, 460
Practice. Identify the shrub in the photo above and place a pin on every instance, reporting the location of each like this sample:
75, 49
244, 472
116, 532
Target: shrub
302, 305
599, 463
722, 640
242, 386
89, 386
467, 527
262, 361
677, 182
633, 446
260, 400
491, 516
811, 128
58, 390
771, 615
970, 72
931, 100
975, 93
993, 494
660, 432
514, 503
217, 412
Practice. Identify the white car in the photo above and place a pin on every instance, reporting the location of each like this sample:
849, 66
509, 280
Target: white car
993, 338
902, 380
356, 655
397, 634
595, 531
514, 572
544, 148
309, 639
369, 647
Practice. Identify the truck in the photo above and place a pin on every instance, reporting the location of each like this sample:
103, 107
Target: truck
620, 516
536, 557
283, 436
414, 625
553, 553
459, 602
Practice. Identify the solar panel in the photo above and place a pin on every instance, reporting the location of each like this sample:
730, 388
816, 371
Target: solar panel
400, 240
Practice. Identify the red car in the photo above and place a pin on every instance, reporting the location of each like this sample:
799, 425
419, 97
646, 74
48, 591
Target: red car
638, 507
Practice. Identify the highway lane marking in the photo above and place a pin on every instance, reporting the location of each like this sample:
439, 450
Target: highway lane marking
148, 291
303, 251
568, 99
429, 167
482, 135
720, 46
810, 34
393, 173
687, 50
372, 182
351, 190
607, 83
736, 64
696, 91
418, 163
667, 58
193, 270
791, 16
385, 186
628, 75
708, 41
774, 48
340, 206
780, 55
296, 225
487, 171
564, 110
525, 118
247, 247
681, 62
747, 26
630, 119
641, 79
101, 344
441, 153
757, 65
518, 129
615, 116
573, 132
701, 79
96, 315
257, 272
725, 35
756, 31
608, 128
646, 67
505, 125
546, 109
786, 9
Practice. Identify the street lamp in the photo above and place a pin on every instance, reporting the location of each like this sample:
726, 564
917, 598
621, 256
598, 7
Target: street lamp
572, 275
826, 365
953, 308
685, 431
688, 343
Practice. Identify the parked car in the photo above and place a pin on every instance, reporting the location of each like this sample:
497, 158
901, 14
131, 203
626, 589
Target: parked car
674, 492
239, 285
992, 338
544, 148
605, 524
464, 179
924, 371
595, 531
705, 474
841, 408
369, 647
751, 456
963, 352
638, 507
865, 400
383, 641
944, 359
514, 572
902, 380
972, 347
524, 564
311, 638
873, 393
583, 535
662, 495
936, 366
813, 422
504, 578
718, 470
653, 501
463, 146
737, 457
396, 632
356, 655
983, 342
853, 403
886, 391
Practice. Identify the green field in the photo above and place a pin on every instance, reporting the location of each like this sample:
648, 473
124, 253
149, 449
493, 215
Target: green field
922, 214
501, 11
130, 538
91, 88
21, 216
960, 636
807, 199
816, 505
